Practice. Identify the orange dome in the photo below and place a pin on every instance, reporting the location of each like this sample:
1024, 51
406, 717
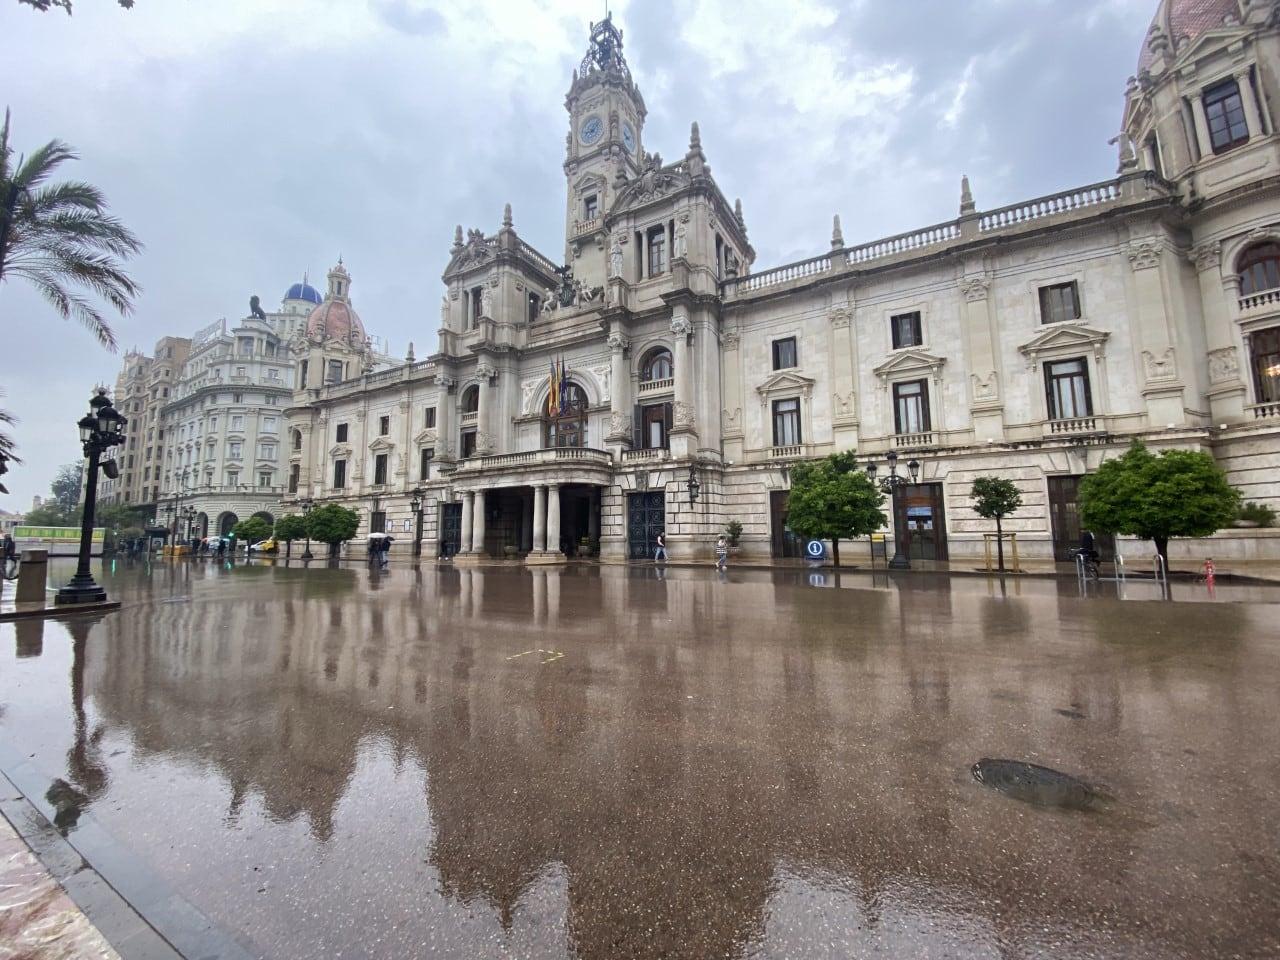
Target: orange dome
1185, 20
335, 320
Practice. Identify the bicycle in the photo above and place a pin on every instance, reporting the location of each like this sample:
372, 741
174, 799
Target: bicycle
1087, 562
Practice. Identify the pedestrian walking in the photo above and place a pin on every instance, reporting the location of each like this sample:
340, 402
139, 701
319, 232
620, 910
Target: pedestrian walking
661, 552
722, 552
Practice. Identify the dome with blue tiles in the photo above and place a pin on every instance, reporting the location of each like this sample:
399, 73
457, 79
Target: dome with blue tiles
304, 291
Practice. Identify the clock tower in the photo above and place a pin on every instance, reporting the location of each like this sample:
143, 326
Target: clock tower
603, 149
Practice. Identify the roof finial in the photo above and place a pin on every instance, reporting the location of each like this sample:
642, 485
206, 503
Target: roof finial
506, 216
837, 236
695, 140
966, 197
457, 238
409, 356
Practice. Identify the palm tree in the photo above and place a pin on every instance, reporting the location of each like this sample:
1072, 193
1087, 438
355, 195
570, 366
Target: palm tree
59, 234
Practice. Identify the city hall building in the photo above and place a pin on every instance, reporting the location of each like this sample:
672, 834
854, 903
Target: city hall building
649, 378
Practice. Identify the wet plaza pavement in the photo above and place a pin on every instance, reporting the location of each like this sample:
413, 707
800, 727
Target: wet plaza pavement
612, 762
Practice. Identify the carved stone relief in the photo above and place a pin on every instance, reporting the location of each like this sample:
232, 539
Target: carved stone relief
617, 341
1224, 365
988, 389
1206, 256
1144, 254
975, 288
1162, 367
619, 424
732, 420
840, 316
684, 414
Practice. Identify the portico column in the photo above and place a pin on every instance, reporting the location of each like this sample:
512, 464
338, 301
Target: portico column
477, 524
444, 418
1251, 118
539, 519
1202, 127
680, 359
553, 518
468, 511
484, 439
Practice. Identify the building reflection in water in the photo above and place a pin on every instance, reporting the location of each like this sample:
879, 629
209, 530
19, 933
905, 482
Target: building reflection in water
711, 769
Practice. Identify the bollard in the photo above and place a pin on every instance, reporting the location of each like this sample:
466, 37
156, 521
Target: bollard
33, 576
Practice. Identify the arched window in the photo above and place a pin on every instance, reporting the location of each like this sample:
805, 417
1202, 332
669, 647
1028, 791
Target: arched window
567, 425
1260, 268
471, 399
297, 439
656, 365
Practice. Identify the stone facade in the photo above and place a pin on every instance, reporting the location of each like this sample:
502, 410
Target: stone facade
569, 407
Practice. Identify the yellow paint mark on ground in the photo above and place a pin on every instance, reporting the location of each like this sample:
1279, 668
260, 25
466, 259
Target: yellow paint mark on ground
551, 655
525, 654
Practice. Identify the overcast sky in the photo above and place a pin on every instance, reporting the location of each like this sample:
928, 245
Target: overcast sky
246, 141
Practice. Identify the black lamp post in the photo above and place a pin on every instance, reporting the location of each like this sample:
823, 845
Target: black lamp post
416, 506
101, 430
306, 503
694, 485
891, 485
189, 515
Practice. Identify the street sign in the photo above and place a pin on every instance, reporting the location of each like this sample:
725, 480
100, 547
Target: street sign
815, 549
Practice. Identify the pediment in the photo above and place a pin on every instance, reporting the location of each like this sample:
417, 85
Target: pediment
381, 445
340, 450
425, 438
1065, 338
785, 381
653, 184
588, 181
909, 361
1211, 41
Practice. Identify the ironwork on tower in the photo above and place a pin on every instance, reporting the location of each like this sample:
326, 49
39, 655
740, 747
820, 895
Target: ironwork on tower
605, 52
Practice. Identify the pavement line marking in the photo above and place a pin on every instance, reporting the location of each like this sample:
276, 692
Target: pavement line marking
554, 656
525, 654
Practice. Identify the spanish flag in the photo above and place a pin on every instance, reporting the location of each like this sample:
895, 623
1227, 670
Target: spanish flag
562, 395
553, 392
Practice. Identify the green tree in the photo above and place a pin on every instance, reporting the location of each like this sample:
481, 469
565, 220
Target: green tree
45, 5
289, 528
51, 515
332, 524
55, 235
67, 487
831, 499
252, 529
6, 444
1180, 493
996, 497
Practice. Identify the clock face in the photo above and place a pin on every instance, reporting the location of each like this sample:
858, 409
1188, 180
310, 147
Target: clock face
592, 130
629, 138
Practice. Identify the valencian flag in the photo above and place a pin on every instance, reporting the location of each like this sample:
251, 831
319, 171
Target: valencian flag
553, 392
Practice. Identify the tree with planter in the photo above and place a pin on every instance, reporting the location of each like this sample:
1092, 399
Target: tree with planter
1178, 493
332, 524
251, 530
994, 498
289, 528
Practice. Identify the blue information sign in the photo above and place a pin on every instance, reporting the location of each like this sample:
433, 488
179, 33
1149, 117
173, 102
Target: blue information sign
815, 549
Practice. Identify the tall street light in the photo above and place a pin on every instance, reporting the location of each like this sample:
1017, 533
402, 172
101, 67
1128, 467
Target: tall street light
101, 430
416, 506
892, 484
306, 503
189, 515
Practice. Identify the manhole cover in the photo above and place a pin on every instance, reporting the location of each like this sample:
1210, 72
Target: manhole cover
1033, 783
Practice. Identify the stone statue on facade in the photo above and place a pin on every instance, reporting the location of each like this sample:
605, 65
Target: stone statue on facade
615, 255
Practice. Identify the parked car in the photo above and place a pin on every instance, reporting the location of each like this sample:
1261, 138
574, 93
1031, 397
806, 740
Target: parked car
265, 546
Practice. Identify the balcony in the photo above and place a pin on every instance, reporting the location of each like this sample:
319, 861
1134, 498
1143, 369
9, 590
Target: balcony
578, 456
1072, 427
1264, 301
470, 419
914, 439
796, 451
646, 454
656, 386
1265, 411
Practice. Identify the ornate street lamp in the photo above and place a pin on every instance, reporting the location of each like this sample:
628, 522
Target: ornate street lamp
416, 506
306, 503
694, 485
189, 515
101, 430
891, 485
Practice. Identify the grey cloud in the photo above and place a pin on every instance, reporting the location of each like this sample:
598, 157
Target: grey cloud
409, 19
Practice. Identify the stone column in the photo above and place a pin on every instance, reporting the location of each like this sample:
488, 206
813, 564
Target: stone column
553, 518
1251, 118
1203, 139
484, 436
468, 512
620, 426
1219, 298
477, 524
986, 405
445, 438
684, 431
539, 519
1162, 387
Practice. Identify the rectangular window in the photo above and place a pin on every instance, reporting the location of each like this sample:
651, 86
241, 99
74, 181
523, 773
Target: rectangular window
1225, 113
906, 330
591, 208
468, 443
233, 479
266, 451
264, 479
239, 371
302, 374
652, 426
273, 373
384, 426
535, 305
477, 304
1066, 384
237, 398
339, 474
273, 401
786, 422
237, 424
657, 251
213, 424
295, 472
911, 407
380, 469
1058, 302
429, 418
268, 424
335, 372
424, 465
341, 436
784, 353
1264, 348
234, 450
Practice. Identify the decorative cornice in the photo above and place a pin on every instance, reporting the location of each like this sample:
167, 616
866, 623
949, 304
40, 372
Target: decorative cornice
1144, 254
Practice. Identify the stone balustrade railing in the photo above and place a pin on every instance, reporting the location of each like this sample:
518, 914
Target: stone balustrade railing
1068, 201
656, 386
904, 243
